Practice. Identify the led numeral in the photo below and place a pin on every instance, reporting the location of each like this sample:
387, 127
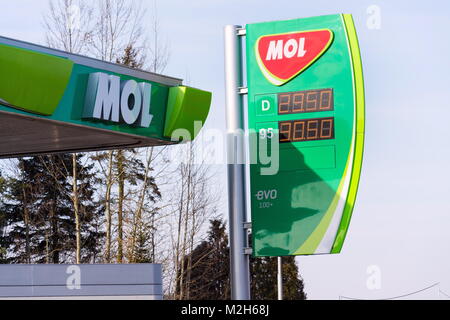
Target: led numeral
285, 131
305, 101
306, 130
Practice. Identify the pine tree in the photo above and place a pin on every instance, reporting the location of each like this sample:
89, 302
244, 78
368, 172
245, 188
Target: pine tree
142, 246
131, 58
263, 272
210, 272
40, 212
209, 275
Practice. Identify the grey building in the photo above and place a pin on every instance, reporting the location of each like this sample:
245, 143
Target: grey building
85, 281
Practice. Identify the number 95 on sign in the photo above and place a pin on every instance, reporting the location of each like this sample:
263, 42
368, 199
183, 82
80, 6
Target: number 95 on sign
267, 130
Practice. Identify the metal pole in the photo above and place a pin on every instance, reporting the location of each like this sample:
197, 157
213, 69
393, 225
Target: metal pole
239, 262
280, 279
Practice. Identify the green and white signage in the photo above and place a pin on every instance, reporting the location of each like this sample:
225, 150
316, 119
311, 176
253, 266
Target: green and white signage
53, 101
305, 89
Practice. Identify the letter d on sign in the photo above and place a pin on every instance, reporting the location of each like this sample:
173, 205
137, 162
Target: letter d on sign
74, 280
265, 105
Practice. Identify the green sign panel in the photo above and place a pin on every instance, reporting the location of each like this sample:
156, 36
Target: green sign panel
306, 104
53, 101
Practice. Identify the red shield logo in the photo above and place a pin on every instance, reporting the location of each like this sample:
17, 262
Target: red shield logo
281, 57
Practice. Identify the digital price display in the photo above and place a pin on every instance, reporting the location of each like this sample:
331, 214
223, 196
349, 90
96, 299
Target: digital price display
305, 101
306, 130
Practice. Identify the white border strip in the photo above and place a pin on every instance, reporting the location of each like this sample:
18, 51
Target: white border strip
326, 245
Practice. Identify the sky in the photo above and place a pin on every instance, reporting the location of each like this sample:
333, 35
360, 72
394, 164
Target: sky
398, 241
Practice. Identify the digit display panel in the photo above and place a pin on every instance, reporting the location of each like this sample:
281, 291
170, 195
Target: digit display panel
306, 130
305, 101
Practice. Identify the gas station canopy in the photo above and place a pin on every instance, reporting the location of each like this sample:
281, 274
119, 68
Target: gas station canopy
53, 101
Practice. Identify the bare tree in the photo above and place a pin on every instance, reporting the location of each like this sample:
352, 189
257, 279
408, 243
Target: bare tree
68, 25
109, 183
76, 209
159, 48
121, 182
118, 26
194, 202
104, 161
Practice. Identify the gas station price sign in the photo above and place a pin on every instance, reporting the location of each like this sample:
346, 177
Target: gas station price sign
305, 85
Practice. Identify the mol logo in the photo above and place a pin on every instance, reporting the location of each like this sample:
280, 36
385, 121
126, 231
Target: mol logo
281, 57
109, 98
